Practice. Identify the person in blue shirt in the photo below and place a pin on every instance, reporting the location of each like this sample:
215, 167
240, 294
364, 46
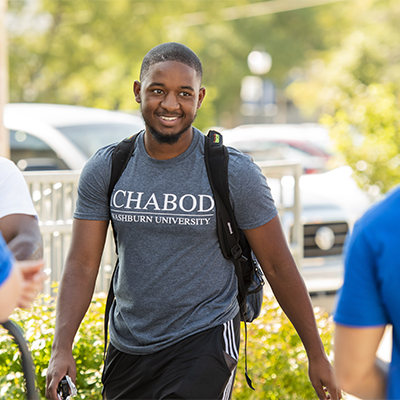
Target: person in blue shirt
368, 302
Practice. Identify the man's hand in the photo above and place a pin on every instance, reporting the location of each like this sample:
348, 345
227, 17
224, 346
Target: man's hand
322, 377
33, 278
61, 363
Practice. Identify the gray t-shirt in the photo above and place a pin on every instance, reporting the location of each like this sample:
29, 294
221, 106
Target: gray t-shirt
172, 279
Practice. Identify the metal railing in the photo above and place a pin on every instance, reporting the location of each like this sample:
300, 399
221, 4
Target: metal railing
54, 195
281, 171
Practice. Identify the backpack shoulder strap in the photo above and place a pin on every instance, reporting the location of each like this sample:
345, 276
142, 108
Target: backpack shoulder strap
216, 158
120, 159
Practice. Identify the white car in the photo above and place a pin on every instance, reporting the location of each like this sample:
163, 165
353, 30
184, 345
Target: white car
330, 200
57, 137
308, 144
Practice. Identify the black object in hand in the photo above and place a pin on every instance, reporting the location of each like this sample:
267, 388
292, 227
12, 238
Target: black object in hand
63, 388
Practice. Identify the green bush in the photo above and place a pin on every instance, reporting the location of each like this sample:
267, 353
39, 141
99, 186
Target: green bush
38, 325
277, 361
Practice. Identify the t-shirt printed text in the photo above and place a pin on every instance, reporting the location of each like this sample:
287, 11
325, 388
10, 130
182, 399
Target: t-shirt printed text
167, 208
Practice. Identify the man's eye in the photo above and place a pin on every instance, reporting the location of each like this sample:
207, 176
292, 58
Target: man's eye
157, 91
185, 94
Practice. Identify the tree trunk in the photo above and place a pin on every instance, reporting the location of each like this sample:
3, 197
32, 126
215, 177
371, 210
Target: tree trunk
4, 137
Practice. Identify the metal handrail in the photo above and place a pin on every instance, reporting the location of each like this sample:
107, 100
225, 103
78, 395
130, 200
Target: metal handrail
27, 363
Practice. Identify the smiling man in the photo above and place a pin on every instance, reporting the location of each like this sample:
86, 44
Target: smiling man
174, 323
169, 95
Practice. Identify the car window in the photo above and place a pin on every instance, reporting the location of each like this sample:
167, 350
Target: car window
90, 138
33, 154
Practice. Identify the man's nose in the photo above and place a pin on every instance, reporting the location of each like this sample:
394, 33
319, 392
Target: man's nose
170, 102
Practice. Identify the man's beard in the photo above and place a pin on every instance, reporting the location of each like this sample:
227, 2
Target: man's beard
167, 139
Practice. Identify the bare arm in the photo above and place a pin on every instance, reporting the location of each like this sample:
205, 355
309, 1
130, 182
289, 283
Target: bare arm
22, 235
75, 293
269, 245
9, 293
22, 286
358, 369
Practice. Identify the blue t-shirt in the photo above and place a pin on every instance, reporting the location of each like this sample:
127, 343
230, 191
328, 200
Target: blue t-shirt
6, 260
370, 295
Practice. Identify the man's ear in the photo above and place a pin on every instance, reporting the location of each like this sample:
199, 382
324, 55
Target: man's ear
202, 93
136, 91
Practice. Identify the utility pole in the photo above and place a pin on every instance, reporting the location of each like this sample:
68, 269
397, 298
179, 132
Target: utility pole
4, 136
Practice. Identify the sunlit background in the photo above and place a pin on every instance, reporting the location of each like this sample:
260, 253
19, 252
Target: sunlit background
314, 82
278, 61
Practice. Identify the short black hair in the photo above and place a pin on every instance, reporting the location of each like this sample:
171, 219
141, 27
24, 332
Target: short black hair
171, 51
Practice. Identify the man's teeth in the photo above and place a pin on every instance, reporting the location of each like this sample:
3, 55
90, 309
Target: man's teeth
169, 118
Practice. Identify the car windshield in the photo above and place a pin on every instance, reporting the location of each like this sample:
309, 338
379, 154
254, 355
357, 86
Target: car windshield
90, 138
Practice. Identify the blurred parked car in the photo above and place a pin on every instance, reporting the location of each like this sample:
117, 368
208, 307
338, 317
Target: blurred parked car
308, 144
331, 201
59, 137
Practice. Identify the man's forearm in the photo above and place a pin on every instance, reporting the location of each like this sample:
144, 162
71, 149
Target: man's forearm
293, 297
74, 297
270, 247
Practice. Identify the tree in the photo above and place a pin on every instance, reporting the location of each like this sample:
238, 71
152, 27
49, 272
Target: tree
4, 142
89, 52
355, 89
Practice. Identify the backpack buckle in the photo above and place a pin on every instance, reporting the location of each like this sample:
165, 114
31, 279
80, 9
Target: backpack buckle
237, 253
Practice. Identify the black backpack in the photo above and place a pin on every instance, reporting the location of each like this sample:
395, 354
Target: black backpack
232, 240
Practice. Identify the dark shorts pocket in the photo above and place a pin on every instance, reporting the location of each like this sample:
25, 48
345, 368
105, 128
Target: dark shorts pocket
230, 361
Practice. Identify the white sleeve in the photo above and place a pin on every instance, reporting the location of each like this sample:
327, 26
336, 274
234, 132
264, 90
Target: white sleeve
14, 193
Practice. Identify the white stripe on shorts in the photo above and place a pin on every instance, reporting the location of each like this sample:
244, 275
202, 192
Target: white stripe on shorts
233, 351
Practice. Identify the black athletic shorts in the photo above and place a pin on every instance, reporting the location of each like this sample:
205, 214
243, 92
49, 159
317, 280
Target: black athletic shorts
202, 366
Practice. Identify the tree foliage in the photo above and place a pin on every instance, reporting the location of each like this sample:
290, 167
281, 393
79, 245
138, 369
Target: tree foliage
88, 52
355, 88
